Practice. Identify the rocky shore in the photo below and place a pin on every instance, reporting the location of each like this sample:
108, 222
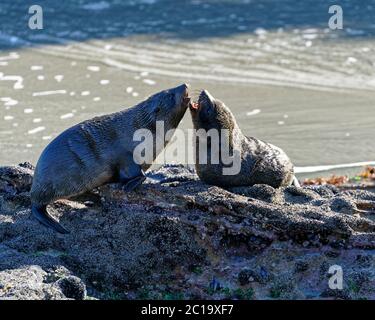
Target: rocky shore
178, 238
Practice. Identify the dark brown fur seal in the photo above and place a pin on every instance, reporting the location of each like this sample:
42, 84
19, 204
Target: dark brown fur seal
100, 151
260, 162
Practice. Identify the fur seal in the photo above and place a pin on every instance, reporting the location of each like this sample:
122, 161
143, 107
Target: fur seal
100, 151
260, 162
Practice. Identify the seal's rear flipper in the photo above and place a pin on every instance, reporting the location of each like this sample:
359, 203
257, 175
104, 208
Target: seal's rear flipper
131, 176
133, 183
41, 214
296, 182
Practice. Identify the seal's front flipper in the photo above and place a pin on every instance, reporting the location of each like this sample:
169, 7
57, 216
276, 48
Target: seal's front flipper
296, 182
134, 183
41, 214
131, 176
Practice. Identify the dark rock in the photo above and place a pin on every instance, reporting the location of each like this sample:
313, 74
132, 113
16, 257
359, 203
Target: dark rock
360, 282
299, 195
323, 270
26, 283
244, 277
247, 276
261, 192
259, 274
326, 191
365, 261
15, 179
301, 266
336, 294
282, 288
183, 239
73, 287
343, 205
27, 165
332, 253
215, 285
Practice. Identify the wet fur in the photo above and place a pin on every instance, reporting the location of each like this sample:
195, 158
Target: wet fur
261, 162
92, 153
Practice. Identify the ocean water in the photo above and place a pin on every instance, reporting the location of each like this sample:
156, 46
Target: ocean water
286, 76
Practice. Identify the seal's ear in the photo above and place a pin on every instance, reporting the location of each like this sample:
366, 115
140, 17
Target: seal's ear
157, 109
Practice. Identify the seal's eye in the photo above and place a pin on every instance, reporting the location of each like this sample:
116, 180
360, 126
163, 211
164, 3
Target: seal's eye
157, 109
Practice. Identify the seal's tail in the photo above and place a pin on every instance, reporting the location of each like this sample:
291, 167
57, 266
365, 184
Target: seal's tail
296, 182
41, 214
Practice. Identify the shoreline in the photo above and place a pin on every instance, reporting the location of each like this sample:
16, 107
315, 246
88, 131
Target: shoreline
323, 168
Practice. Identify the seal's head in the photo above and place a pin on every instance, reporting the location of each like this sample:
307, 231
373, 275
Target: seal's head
209, 113
167, 106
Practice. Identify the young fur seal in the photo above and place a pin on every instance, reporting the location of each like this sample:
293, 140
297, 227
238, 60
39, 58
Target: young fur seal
260, 162
100, 151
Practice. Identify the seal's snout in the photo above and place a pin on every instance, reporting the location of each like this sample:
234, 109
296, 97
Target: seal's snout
205, 99
194, 106
182, 90
185, 88
202, 97
182, 94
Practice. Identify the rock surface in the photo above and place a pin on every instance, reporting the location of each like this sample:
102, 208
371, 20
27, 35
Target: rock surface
178, 238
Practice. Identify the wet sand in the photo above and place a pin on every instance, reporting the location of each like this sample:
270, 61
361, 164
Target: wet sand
314, 127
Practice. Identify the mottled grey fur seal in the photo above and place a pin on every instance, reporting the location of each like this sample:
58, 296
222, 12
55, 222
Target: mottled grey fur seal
261, 162
100, 151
